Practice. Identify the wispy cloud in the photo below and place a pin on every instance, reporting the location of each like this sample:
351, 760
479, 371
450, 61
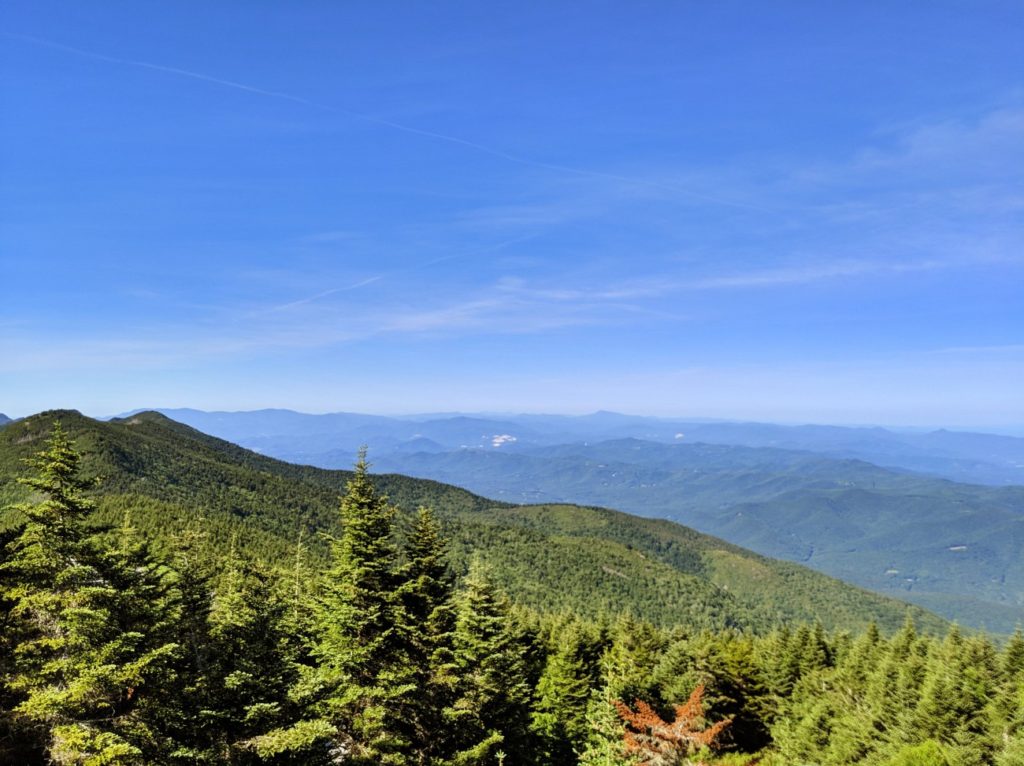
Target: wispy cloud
326, 293
682, 193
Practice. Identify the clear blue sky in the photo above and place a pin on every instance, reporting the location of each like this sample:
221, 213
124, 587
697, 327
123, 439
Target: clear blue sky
780, 211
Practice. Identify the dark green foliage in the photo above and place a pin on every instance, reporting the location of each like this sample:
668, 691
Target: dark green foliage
425, 593
489, 712
91, 625
362, 651
563, 691
173, 478
116, 654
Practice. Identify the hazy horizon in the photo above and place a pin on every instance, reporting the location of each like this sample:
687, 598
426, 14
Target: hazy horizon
1009, 429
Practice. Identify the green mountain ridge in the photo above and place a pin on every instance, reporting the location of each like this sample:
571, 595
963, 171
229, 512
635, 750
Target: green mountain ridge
952, 547
553, 557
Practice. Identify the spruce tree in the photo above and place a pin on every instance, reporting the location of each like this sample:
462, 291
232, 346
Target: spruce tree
425, 591
249, 676
562, 695
90, 652
489, 713
362, 687
604, 744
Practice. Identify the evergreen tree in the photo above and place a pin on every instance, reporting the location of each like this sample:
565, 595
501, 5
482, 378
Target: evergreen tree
604, 744
19, 742
363, 644
425, 593
250, 675
188, 716
489, 713
563, 691
91, 653
627, 667
363, 685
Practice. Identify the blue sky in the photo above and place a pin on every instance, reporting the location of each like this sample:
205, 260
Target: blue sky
780, 211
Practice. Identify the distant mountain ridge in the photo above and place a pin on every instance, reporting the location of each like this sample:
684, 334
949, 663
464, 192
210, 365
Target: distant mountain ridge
172, 478
325, 440
956, 548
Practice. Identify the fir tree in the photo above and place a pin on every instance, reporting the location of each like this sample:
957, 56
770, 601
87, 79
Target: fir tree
250, 675
490, 708
425, 592
563, 691
604, 744
91, 653
363, 685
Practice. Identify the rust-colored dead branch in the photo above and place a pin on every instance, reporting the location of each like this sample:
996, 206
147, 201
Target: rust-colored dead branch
658, 742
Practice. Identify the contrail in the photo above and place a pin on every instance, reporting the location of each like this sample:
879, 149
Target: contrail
398, 126
325, 293
395, 272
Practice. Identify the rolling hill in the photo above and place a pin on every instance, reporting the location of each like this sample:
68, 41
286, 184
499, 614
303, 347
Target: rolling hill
954, 548
552, 556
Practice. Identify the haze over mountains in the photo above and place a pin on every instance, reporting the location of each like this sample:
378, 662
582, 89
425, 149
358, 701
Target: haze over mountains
330, 440
818, 495
549, 556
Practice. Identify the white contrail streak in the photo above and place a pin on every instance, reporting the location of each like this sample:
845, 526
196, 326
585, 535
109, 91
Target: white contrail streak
483, 148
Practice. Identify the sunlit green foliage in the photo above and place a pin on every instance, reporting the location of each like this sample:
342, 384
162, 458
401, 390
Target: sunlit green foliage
368, 649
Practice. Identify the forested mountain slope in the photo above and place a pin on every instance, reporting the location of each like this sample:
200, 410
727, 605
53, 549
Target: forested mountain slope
955, 548
171, 478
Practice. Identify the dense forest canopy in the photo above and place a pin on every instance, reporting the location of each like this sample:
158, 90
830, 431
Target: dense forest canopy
114, 653
549, 557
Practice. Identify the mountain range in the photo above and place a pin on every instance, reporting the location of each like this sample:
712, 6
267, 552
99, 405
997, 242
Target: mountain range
174, 482
806, 494
329, 440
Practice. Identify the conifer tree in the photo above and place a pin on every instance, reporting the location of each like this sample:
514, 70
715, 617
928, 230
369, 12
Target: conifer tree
659, 742
1006, 709
363, 643
188, 716
362, 687
490, 708
250, 675
604, 744
19, 742
90, 652
563, 691
425, 592
627, 667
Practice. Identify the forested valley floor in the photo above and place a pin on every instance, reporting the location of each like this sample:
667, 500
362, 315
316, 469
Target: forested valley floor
114, 651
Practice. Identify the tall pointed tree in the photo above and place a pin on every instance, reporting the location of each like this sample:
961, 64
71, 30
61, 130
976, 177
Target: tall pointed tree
362, 685
490, 710
425, 591
562, 695
90, 653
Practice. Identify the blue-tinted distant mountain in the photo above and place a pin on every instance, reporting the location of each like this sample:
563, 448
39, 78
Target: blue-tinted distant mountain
555, 558
805, 493
329, 440
333, 439
955, 548
4, 420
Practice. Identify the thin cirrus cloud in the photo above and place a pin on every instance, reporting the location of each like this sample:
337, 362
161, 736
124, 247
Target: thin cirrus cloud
509, 306
692, 195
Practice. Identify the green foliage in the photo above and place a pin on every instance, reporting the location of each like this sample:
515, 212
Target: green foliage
371, 651
928, 753
91, 625
171, 478
562, 694
490, 704
363, 666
